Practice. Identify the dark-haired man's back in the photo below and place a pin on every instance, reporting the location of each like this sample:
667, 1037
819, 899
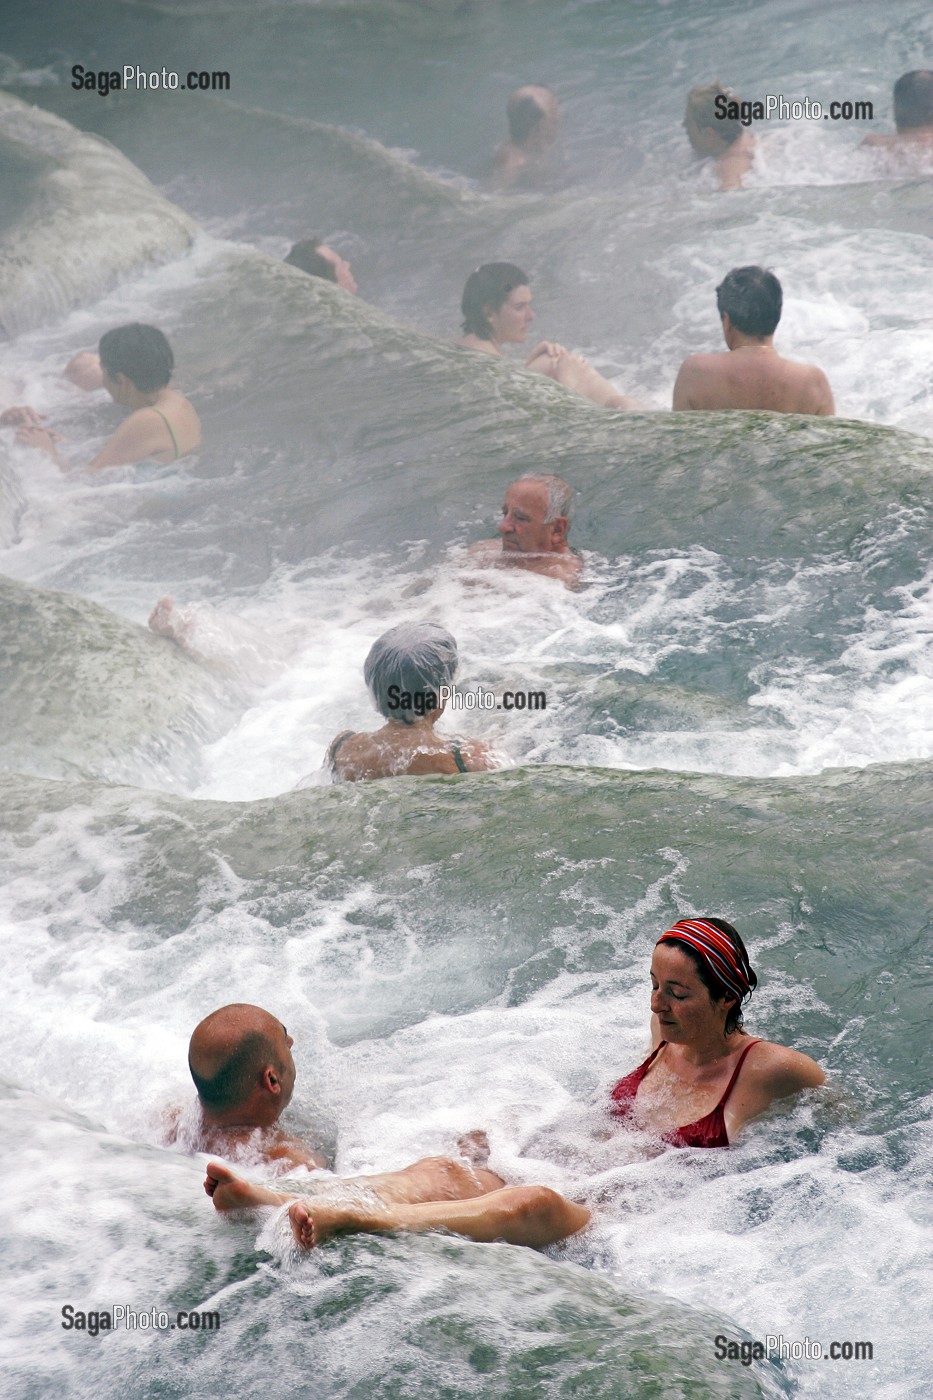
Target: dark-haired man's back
913, 117
751, 374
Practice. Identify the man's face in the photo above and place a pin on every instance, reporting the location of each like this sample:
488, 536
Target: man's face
522, 526
345, 278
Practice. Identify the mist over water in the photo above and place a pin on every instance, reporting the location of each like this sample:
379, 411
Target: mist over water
737, 716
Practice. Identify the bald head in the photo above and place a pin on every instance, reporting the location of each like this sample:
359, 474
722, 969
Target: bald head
241, 1063
533, 116
84, 372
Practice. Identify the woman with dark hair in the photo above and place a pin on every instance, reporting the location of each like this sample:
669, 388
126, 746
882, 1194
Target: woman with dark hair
496, 306
705, 1077
407, 671
136, 364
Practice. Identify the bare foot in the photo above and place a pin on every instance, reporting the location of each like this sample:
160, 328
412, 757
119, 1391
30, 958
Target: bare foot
312, 1224
161, 619
231, 1192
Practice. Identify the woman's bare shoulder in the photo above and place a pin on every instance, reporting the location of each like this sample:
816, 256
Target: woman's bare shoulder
779, 1070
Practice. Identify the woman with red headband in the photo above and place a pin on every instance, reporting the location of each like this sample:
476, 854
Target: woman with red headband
705, 1076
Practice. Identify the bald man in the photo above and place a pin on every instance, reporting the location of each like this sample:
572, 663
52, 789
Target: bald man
533, 530
240, 1058
534, 123
84, 371
241, 1063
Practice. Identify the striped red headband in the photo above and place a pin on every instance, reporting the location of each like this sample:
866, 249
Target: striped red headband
719, 953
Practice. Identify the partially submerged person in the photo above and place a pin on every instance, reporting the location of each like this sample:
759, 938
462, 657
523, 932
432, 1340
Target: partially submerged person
240, 1058
536, 515
136, 365
241, 1063
705, 1076
85, 371
913, 118
315, 258
406, 670
715, 135
751, 373
496, 306
533, 115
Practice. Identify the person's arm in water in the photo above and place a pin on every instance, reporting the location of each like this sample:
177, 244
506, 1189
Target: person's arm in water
140, 436
292, 1150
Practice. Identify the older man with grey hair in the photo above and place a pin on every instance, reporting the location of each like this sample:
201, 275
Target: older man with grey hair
533, 530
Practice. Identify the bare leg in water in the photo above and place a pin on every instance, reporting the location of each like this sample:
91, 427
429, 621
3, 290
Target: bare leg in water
466, 1203
430, 1179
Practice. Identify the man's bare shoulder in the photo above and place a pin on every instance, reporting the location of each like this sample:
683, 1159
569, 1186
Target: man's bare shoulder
482, 551
695, 374
810, 387
709, 362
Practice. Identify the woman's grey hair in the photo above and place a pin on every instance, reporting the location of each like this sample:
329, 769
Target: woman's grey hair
417, 657
559, 494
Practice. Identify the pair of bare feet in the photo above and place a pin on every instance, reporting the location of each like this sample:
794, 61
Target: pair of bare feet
310, 1227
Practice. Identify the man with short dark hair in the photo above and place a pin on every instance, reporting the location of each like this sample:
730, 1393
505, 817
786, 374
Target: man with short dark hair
751, 374
913, 116
533, 530
314, 257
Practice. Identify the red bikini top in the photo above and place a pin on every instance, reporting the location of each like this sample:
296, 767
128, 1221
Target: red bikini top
705, 1132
